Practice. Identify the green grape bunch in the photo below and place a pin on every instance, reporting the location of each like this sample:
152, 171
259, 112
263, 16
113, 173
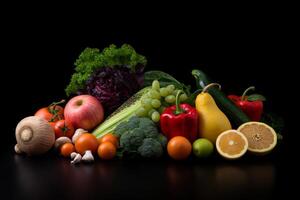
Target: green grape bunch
157, 99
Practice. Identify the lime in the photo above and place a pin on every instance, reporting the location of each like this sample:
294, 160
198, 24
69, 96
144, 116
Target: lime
203, 148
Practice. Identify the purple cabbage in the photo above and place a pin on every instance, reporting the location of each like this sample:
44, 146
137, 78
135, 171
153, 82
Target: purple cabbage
112, 86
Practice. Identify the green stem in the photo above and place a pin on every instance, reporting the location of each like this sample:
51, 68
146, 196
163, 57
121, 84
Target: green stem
52, 110
177, 103
205, 89
64, 129
53, 105
246, 91
57, 103
54, 117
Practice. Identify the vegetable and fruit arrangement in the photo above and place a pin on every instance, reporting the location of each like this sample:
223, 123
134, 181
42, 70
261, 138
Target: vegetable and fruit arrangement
117, 110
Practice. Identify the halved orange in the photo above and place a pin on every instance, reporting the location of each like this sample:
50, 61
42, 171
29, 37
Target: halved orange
231, 144
261, 137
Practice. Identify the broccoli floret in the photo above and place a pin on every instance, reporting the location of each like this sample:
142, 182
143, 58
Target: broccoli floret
144, 122
149, 127
140, 136
133, 123
120, 129
131, 140
150, 148
151, 132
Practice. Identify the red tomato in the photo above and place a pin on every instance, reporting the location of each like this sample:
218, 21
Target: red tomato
52, 124
63, 128
52, 113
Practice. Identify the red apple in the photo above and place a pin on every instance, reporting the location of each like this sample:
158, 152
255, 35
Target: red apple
84, 111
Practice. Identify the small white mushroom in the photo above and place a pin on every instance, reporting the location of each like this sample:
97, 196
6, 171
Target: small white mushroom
88, 156
17, 149
60, 141
77, 134
77, 159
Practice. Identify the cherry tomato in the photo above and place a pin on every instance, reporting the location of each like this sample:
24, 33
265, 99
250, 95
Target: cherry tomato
52, 113
66, 149
63, 128
107, 150
86, 142
109, 138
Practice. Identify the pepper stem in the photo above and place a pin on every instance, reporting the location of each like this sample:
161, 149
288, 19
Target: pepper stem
205, 89
177, 103
246, 91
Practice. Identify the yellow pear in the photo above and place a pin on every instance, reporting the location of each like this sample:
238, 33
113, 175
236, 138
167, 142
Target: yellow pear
212, 121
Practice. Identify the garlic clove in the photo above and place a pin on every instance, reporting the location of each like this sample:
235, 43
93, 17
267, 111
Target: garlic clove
77, 134
60, 141
77, 159
88, 157
73, 155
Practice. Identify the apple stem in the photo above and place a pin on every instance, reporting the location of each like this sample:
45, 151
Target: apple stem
79, 102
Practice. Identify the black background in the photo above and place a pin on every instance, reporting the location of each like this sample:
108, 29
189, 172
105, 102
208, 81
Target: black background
237, 49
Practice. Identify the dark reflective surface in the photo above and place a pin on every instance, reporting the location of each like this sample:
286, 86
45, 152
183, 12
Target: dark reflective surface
247, 48
52, 177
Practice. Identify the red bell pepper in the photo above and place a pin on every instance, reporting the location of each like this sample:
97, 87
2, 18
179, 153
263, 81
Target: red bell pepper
251, 105
180, 120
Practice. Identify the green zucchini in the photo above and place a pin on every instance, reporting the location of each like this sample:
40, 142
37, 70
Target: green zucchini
234, 113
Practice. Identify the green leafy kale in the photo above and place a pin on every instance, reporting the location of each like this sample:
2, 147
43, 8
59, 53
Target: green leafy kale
91, 59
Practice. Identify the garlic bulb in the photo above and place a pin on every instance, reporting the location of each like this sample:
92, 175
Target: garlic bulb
34, 135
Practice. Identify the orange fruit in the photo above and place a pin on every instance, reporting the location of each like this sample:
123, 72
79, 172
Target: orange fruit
179, 148
86, 142
261, 137
107, 150
231, 144
109, 138
66, 149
